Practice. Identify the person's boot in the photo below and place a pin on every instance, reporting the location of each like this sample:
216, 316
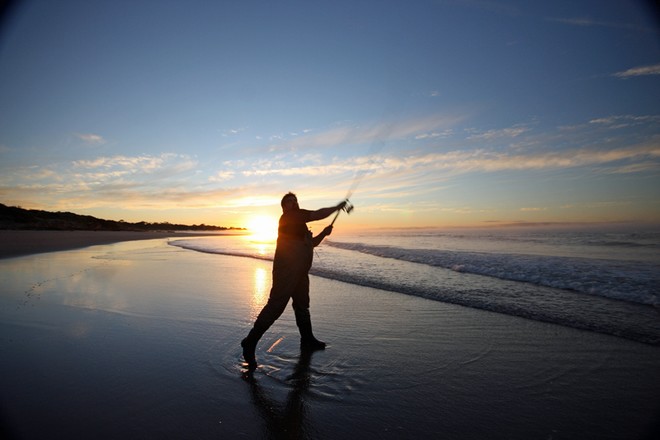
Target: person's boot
249, 345
307, 339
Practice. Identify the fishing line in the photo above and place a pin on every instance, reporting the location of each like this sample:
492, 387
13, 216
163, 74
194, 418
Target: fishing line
376, 146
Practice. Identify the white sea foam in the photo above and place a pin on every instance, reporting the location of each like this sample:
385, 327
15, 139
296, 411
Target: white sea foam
624, 280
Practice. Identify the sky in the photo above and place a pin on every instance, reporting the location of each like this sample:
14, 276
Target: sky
435, 113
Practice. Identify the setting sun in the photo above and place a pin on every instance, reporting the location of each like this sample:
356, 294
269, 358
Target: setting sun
263, 228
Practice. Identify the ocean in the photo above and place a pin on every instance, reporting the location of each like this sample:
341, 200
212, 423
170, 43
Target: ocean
607, 282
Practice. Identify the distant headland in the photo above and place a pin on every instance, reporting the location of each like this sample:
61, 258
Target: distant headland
17, 218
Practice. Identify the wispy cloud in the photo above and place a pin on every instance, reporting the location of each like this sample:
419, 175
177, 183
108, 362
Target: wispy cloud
145, 164
461, 161
616, 144
116, 178
222, 176
625, 121
90, 138
509, 132
372, 133
232, 131
464, 161
639, 71
143, 182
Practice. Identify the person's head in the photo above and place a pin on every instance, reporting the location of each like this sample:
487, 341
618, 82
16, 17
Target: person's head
289, 201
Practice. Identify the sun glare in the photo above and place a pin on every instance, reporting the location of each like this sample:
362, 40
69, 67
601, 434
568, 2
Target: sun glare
263, 228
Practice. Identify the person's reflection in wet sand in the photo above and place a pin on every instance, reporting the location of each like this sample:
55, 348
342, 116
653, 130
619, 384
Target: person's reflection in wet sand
285, 421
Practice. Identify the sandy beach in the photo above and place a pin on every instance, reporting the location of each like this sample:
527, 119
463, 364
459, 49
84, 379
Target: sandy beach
139, 339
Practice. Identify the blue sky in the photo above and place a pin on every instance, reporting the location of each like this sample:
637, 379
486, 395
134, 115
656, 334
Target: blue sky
447, 113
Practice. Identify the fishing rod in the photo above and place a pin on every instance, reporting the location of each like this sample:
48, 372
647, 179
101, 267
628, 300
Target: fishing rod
359, 175
349, 206
376, 146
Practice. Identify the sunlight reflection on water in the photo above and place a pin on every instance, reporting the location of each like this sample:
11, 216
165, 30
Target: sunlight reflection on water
260, 291
260, 247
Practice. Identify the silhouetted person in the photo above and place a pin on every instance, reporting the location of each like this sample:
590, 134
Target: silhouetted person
293, 259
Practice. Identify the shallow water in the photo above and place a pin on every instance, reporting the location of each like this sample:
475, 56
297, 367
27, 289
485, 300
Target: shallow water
602, 282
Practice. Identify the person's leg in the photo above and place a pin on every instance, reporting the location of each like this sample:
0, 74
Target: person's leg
284, 282
307, 339
268, 315
303, 318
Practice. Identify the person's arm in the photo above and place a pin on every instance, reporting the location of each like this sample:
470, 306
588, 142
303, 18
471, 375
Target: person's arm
324, 233
322, 213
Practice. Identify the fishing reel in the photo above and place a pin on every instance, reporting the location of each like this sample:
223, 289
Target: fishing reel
348, 207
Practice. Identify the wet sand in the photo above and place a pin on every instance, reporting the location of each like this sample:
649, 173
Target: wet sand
16, 243
141, 340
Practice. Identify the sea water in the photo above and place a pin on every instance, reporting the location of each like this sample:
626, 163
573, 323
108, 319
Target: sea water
607, 282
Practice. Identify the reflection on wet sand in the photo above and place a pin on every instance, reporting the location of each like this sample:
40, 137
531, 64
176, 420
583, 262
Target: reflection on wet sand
259, 291
286, 420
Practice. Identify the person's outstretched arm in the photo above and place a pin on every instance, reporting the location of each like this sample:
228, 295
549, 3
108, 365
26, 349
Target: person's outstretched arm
322, 213
324, 233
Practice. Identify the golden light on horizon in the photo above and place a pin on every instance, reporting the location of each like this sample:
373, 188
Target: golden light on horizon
262, 228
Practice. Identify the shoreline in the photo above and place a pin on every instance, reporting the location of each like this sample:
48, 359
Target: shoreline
17, 243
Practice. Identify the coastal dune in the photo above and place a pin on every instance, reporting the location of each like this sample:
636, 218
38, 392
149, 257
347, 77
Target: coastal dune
140, 339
